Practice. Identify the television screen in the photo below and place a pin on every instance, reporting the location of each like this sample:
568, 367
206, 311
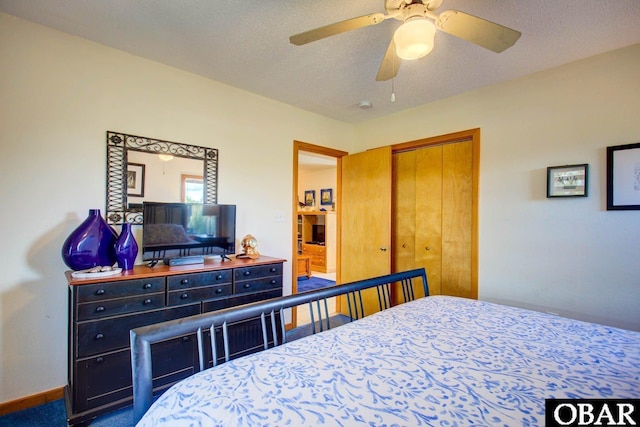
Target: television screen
172, 230
317, 233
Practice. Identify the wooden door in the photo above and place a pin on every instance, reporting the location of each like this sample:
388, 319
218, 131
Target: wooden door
429, 193
433, 215
457, 213
366, 218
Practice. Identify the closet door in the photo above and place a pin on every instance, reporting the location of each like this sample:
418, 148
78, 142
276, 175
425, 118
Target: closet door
457, 213
433, 209
366, 219
404, 211
429, 214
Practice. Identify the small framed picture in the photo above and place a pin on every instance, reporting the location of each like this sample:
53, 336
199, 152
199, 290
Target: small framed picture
135, 179
310, 198
623, 177
568, 181
326, 196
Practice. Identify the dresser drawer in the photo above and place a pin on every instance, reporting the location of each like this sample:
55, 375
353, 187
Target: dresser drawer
313, 249
198, 280
248, 273
112, 307
105, 378
258, 285
112, 333
191, 295
125, 288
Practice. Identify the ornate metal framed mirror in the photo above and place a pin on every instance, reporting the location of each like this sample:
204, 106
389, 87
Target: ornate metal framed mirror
119, 148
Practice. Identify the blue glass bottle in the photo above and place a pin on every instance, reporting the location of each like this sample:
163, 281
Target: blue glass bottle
126, 248
90, 244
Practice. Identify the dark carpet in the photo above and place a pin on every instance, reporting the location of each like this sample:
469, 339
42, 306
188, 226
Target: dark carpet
312, 283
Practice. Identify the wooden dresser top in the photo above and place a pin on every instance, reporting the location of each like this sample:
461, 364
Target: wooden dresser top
142, 271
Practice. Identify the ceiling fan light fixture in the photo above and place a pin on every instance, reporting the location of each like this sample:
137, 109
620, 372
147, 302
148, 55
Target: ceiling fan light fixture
414, 38
165, 157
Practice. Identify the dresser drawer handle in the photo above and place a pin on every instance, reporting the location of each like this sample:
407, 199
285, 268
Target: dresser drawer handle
185, 339
147, 301
273, 269
184, 281
147, 286
219, 277
100, 360
99, 309
184, 296
247, 273
100, 292
219, 291
99, 336
273, 281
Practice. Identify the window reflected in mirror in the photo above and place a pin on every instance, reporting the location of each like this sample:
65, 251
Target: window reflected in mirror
192, 189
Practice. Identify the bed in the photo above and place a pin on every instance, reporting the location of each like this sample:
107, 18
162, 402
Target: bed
436, 360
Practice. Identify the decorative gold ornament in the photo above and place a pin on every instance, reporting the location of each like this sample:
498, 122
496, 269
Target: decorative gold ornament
249, 244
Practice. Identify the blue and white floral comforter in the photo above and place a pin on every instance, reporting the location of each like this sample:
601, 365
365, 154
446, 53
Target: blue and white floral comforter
436, 361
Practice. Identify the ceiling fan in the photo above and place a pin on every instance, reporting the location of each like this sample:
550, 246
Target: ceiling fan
414, 38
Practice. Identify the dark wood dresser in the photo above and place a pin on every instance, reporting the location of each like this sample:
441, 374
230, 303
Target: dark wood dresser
102, 311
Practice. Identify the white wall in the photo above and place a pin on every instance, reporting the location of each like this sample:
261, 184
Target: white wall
317, 180
58, 96
568, 256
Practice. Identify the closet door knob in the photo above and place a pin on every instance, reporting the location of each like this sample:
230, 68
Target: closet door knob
427, 248
383, 249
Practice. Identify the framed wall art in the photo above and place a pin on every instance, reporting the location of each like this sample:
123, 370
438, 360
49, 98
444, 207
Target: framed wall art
568, 181
326, 196
135, 179
623, 177
310, 198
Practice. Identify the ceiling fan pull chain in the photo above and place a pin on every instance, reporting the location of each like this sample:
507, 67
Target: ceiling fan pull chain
393, 92
393, 79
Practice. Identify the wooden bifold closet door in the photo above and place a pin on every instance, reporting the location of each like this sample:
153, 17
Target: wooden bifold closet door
433, 214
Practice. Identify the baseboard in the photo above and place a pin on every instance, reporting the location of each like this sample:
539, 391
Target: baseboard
31, 401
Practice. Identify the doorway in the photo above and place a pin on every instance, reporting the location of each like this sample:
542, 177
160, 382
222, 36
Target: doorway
316, 214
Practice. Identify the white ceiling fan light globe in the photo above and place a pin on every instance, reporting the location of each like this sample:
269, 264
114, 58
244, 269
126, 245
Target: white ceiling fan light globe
414, 39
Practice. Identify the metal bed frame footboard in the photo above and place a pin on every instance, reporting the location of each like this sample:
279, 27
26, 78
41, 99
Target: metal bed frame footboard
142, 338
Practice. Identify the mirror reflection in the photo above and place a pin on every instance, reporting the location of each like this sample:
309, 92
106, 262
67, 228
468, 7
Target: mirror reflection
144, 169
172, 179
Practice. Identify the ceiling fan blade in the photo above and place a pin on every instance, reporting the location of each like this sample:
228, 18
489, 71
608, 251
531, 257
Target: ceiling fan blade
337, 28
479, 31
390, 64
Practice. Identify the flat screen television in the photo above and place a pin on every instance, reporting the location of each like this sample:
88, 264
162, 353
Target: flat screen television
173, 230
317, 233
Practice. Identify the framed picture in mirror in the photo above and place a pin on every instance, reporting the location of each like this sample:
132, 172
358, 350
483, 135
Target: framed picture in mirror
135, 179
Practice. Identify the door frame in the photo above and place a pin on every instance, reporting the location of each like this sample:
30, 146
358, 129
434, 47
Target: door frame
299, 146
472, 135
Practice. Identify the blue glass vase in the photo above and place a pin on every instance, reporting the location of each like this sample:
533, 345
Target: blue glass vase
126, 248
90, 244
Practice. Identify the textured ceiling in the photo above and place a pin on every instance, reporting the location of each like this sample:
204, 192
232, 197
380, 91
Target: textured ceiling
246, 44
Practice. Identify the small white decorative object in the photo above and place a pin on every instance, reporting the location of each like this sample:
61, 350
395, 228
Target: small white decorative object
99, 271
